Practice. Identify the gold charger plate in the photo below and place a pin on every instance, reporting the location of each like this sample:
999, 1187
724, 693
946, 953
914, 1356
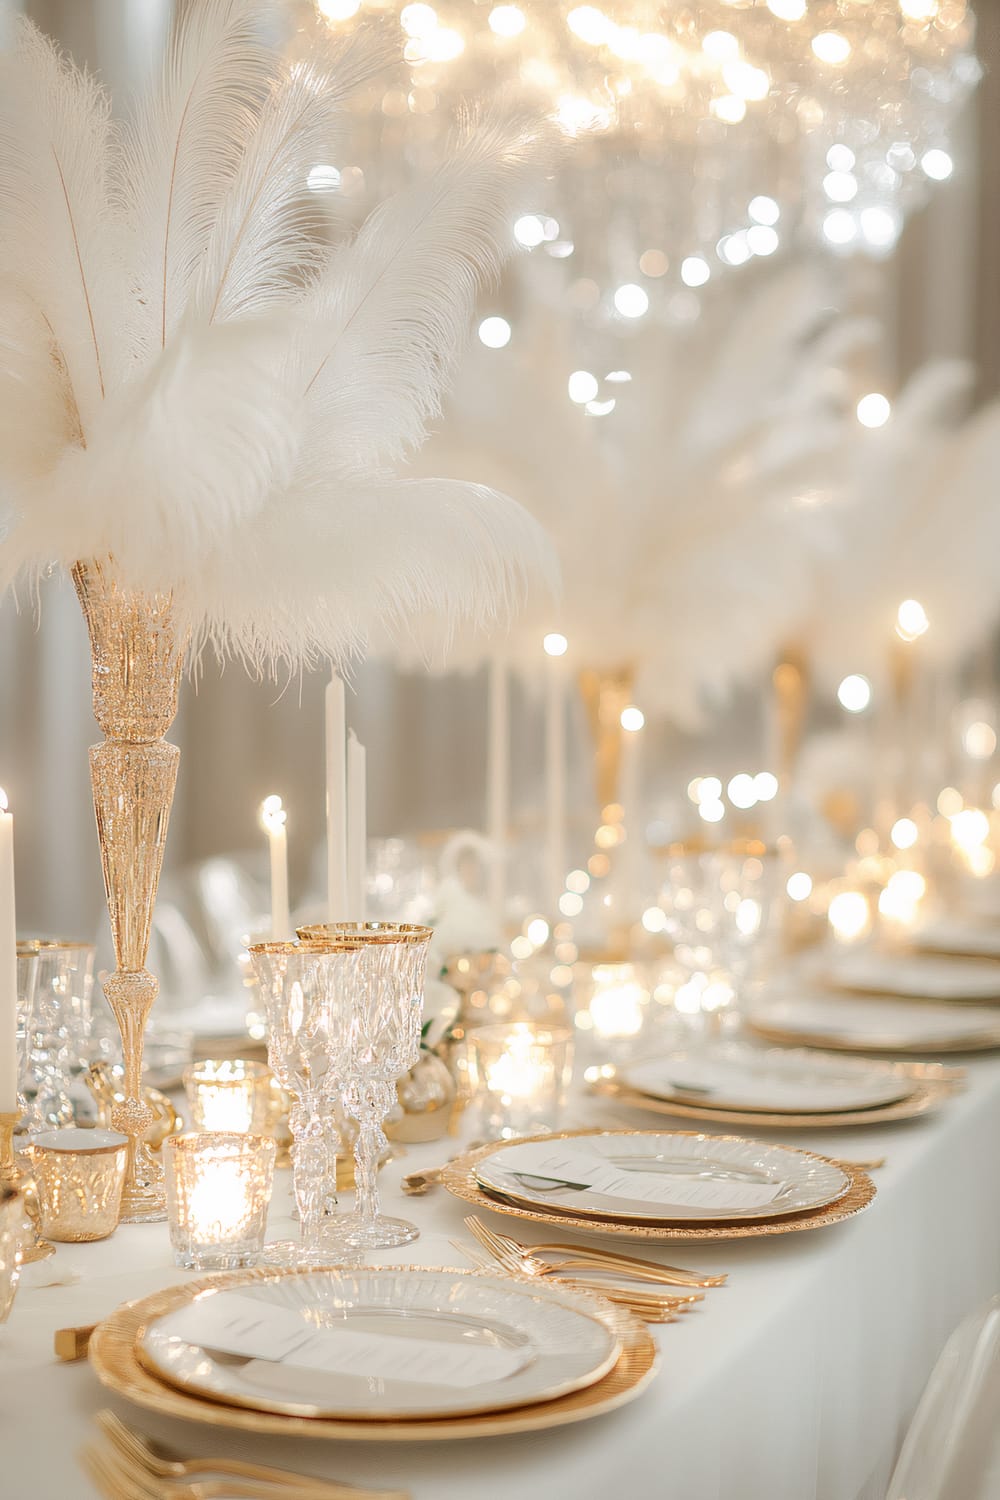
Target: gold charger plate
459, 1177
986, 1042
925, 1097
113, 1357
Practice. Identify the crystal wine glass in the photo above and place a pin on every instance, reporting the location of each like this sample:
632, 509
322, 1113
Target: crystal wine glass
716, 903
27, 974
301, 1041
375, 979
60, 1023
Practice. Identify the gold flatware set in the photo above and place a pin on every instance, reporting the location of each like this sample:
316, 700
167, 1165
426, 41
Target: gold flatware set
121, 1464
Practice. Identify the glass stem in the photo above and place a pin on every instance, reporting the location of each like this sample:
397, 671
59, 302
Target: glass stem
309, 1169
367, 1151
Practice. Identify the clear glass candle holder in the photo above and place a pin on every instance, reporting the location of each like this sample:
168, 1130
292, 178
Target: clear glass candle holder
520, 1075
218, 1191
229, 1094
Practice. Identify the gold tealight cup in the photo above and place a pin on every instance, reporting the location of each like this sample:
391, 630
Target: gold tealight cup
79, 1175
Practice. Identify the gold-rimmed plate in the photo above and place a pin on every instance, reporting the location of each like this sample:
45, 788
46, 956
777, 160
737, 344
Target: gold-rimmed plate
925, 1097
113, 1357
739, 1075
874, 1023
460, 1178
660, 1177
381, 1343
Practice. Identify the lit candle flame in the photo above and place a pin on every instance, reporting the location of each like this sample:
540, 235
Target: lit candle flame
272, 814
4, 804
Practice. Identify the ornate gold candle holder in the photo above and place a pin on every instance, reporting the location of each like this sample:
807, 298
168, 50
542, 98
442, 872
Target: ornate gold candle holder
13, 1175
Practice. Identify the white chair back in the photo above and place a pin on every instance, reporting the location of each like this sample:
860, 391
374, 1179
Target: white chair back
952, 1449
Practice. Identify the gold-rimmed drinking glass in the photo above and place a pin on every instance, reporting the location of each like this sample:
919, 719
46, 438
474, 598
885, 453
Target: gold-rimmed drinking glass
374, 976
301, 1041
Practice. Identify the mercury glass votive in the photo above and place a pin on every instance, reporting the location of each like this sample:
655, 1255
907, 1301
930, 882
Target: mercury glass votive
218, 1191
229, 1094
520, 1075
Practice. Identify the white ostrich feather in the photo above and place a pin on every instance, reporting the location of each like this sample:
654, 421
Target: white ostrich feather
57, 245
689, 522
36, 418
240, 455
268, 235
919, 520
392, 310
179, 159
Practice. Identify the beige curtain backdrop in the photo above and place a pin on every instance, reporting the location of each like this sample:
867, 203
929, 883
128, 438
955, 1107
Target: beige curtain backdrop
242, 739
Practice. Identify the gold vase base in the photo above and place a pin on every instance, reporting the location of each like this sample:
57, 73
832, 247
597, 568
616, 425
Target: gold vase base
144, 1200
40, 1250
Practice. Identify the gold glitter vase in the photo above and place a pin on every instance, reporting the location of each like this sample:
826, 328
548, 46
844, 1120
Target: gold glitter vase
137, 659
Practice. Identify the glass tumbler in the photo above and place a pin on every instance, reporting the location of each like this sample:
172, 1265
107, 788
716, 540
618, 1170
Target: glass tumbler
218, 1191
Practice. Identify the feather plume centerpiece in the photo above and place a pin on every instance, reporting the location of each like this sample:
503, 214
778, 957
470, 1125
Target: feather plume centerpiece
689, 509
204, 402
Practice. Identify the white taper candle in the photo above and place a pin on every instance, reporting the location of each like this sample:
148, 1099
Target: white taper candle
357, 830
8, 965
498, 784
336, 801
273, 817
555, 770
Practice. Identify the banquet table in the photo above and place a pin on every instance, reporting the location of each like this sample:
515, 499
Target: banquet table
795, 1381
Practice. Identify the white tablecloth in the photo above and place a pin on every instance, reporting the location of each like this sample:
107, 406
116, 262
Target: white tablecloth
796, 1381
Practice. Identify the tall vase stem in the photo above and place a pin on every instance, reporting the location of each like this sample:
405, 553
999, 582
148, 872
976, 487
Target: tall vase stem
137, 659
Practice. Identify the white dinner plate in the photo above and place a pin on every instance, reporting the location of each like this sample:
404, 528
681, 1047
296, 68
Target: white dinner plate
959, 939
737, 1076
878, 1025
379, 1344
650, 1177
918, 976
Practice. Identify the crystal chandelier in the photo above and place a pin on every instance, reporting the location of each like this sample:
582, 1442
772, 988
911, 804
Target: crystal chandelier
708, 133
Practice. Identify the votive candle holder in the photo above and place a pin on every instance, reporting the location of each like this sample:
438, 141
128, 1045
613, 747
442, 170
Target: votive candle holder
520, 1075
218, 1191
229, 1095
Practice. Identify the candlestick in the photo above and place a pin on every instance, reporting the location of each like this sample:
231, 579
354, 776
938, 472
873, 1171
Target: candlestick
12, 1174
8, 963
336, 801
357, 829
273, 819
555, 768
498, 784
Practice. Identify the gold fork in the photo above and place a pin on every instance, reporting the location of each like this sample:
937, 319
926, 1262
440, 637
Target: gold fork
650, 1306
121, 1481
128, 1448
583, 1257
118, 1480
